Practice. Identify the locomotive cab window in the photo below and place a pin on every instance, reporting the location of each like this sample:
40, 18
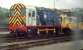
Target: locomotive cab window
29, 13
33, 13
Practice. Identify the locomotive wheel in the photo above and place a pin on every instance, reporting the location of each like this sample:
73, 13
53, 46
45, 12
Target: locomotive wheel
32, 33
51, 34
43, 34
67, 31
58, 31
12, 34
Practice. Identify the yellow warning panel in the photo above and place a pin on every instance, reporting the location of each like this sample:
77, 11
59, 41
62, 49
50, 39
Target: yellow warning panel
81, 25
16, 17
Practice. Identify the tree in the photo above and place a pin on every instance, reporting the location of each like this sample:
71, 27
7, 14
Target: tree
4, 13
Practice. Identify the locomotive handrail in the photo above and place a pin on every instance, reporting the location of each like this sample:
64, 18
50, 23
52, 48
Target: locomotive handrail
46, 29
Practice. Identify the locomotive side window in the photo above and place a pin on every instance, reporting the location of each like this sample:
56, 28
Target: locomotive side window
33, 13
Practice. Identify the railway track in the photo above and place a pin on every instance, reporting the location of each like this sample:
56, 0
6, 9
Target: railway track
33, 43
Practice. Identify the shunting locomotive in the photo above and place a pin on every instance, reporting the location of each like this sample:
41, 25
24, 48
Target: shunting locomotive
33, 20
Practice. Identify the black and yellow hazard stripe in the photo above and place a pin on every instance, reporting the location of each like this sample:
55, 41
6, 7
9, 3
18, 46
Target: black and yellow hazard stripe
11, 19
17, 18
17, 13
17, 21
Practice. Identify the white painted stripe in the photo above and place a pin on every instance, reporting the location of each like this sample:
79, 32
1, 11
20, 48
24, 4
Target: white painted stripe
4, 32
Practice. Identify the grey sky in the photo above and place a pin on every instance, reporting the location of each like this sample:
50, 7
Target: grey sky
69, 3
60, 4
